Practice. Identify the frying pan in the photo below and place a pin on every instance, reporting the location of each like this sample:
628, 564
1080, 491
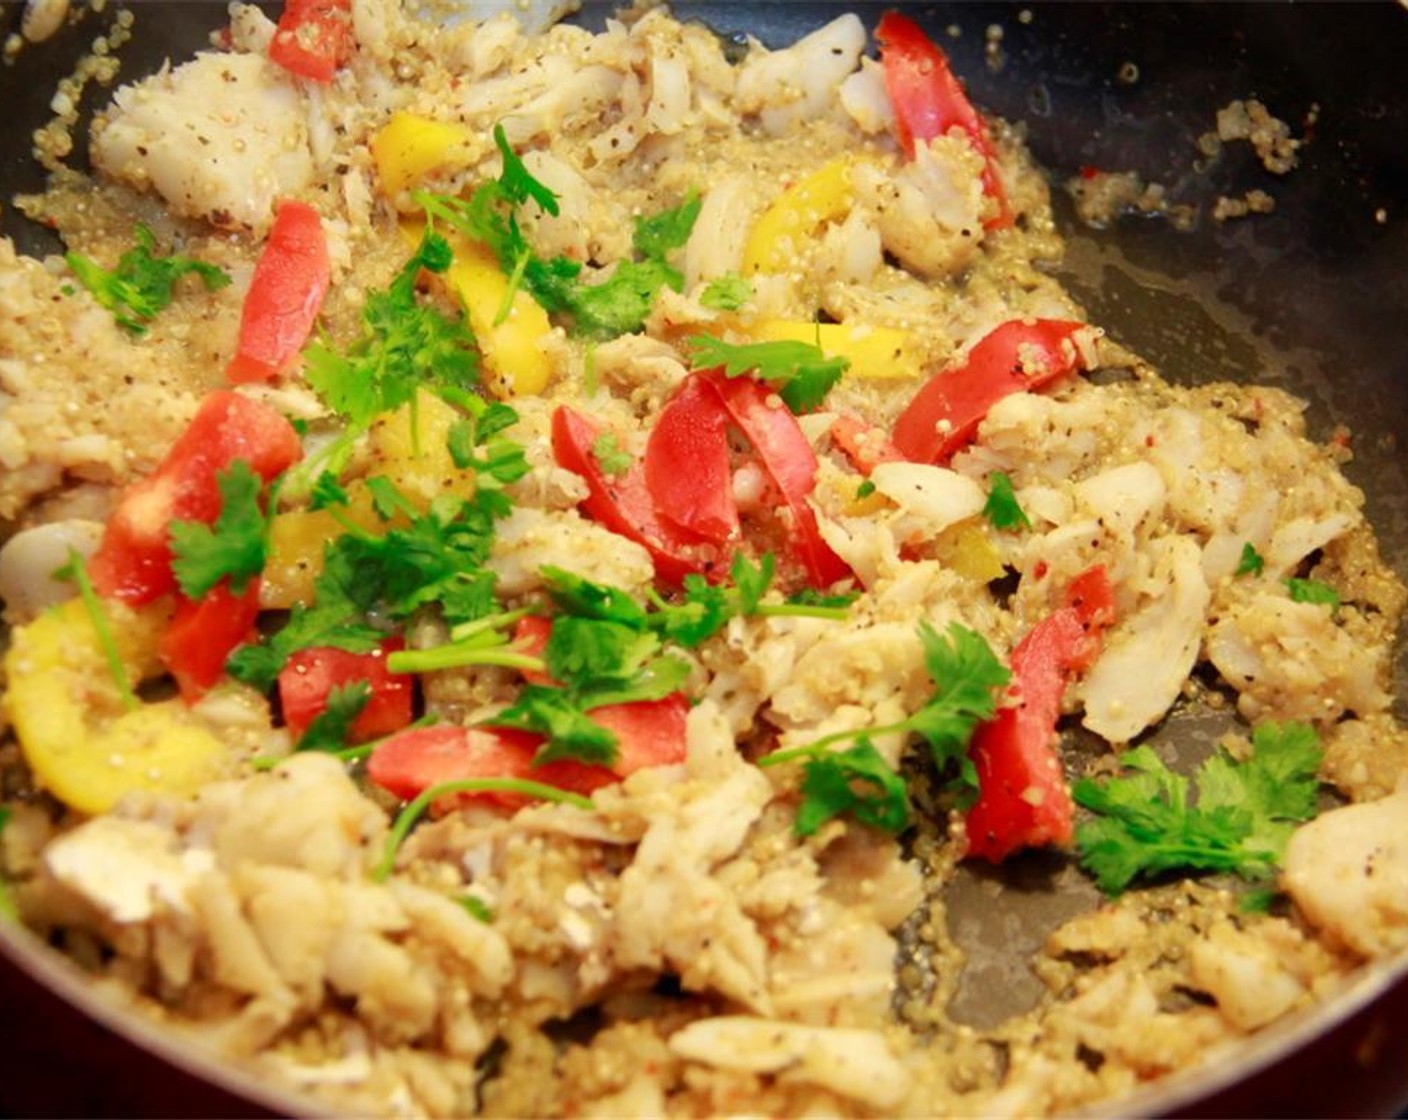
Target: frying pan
1312, 297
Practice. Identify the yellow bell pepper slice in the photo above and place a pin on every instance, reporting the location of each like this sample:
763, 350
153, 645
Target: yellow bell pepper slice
514, 358
875, 353
512, 348
778, 235
68, 714
410, 147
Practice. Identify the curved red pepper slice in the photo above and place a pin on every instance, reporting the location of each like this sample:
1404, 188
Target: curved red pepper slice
929, 101
622, 503
788, 459
687, 465
290, 281
314, 38
133, 561
1016, 357
1023, 799
204, 632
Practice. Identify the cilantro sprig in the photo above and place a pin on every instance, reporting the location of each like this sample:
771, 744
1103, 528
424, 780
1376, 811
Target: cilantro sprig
1250, 563
405, 345
143, 283
1002, 509
615, 305
232, 548
1149, 822
435, 557
967, 679
799, 371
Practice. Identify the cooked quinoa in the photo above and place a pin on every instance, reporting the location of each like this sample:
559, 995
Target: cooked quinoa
679, 943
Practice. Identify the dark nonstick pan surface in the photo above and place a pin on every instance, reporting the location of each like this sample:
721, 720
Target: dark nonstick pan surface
1313, 297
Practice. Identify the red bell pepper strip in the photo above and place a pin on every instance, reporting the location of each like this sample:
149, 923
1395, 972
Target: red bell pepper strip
133, 560
649, 733
314, 38
287, 290
622, 503
1023, 799
788, 458
204, 632
687, 465
928, 101
1015, 357
311, 674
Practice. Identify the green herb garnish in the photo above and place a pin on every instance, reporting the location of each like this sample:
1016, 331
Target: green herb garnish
1149, 823
726, 293
142, 284
1250, 563
234, 547
799, 371
1001, 509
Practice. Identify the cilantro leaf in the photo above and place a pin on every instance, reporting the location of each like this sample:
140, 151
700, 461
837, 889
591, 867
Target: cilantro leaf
405, 344
142, 284
585, 599
517, 181
570, 731
1313, 591
1148, 822
726, 293
438, 557
476, 908
1001, 508
967, 679
657, 235
592, 650
326, 492
1250, 563
857, 781
331, 727
620, 303
234, 547
799, 371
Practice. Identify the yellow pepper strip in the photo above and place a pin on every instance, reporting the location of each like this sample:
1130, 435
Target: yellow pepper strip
410, 147
512, 346
875, 353
82, 743
785, 226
